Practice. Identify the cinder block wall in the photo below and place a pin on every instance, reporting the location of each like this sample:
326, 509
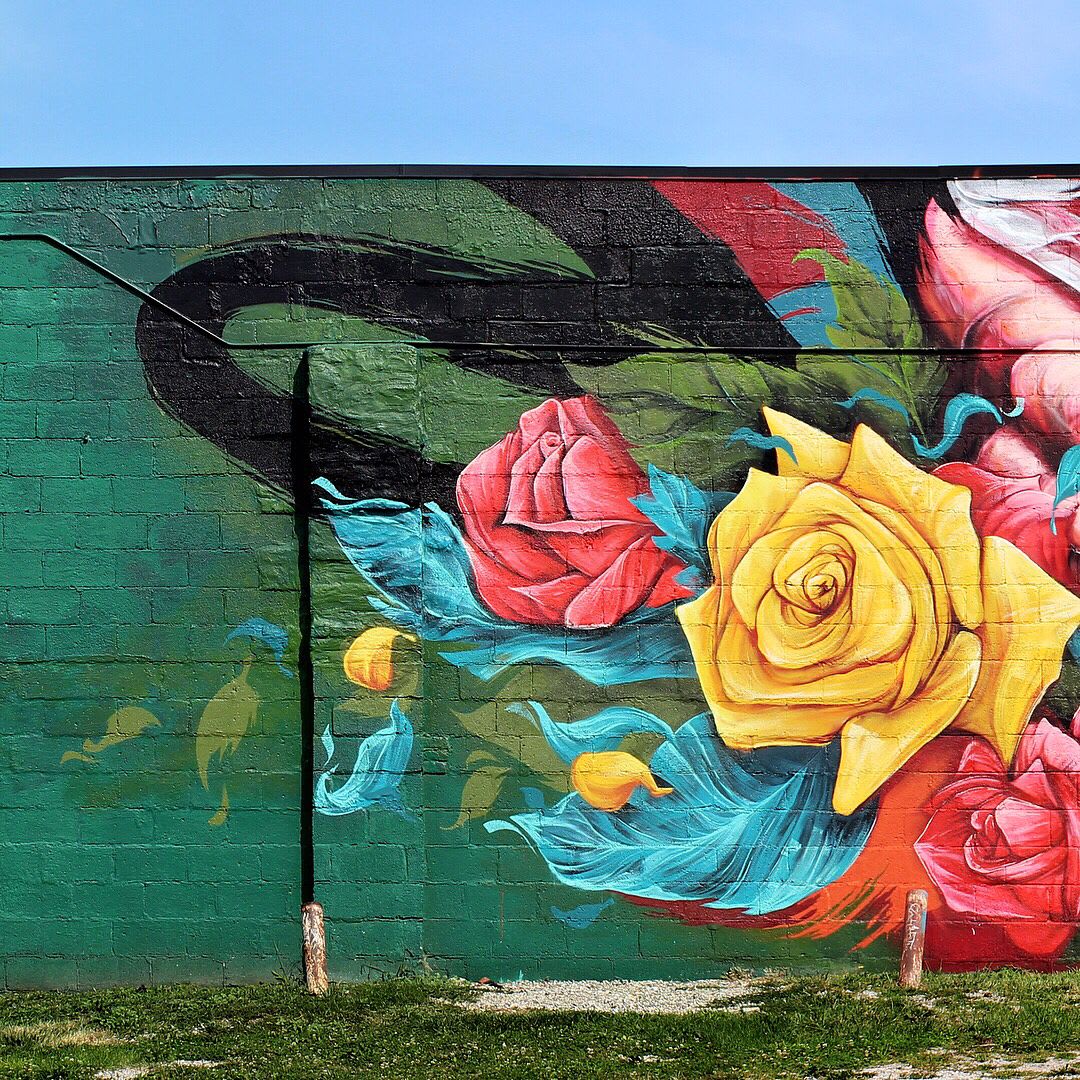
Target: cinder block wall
562, 576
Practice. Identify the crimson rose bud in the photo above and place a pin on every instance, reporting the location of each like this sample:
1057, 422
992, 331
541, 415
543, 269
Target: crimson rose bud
552, 535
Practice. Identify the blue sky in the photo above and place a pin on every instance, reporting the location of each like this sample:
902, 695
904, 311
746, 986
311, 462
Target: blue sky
651, 82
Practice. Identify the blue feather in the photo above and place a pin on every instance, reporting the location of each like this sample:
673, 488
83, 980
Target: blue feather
376, 774
958, 412
683, 512
868, 393
598, 733
327, 743
809, 311
845, 208
752, 831
274, 637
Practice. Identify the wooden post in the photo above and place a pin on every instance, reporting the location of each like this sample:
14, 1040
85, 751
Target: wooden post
314, 931
911, 951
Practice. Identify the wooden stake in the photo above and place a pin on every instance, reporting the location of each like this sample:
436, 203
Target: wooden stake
911, 951
314, 931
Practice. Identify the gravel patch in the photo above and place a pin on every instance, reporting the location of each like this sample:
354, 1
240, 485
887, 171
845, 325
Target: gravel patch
617, 996
137, 1072
1001, 1068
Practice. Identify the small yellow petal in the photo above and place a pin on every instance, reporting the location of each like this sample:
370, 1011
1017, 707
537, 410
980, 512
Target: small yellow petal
818, 456
607, 780
369, 661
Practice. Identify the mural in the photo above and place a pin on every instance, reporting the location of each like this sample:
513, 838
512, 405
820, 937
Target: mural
693, 563
857, 620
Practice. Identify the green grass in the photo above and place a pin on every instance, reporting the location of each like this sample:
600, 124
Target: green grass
826, 1027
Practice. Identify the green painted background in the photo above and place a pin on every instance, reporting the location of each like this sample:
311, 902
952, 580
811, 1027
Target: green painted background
131, 548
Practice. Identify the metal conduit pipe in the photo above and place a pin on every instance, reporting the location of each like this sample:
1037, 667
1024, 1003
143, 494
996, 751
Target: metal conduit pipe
509, 346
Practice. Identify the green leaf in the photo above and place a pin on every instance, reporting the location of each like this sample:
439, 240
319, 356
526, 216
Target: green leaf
679, 409
480, 791
398, 394
224, 722
1063, 696
874, 314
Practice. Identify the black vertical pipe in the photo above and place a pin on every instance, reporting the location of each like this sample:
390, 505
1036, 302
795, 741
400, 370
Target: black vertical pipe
300, 446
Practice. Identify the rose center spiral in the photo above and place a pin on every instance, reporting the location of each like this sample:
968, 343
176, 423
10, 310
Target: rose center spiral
818, 584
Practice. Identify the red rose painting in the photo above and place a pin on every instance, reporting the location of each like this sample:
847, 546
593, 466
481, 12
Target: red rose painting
552, 535
1003, 845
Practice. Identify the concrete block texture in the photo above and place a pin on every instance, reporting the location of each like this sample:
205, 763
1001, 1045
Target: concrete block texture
558, 576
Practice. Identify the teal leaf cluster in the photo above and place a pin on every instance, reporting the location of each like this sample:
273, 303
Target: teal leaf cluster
395, 548
683, 513
750, 831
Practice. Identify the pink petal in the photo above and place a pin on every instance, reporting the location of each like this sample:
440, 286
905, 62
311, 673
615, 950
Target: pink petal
977, 293
1018, 510
535, 495
1028, 828
594, 552
1009, 452
600, 481
1049, 383
619, 590
534, 423
519, 598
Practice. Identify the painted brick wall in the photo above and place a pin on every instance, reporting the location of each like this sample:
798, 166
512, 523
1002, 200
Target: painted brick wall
684, 569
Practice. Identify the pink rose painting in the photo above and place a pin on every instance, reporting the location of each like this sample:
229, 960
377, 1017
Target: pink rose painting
552, 535
1003, 845
1001, 274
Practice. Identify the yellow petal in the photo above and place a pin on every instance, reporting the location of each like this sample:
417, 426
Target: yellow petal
607, 780
747, 679
759, 724
890, 594
932, 622
873, 746
818, 456
761, 502
369, 661
940, 511
1029, 618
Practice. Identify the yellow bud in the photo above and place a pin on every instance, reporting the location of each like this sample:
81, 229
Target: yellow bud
369, 661
608, 779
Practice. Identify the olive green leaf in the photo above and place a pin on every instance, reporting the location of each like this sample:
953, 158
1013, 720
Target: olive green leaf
123, 724
874, 314
678, 409
224, 722
480, 791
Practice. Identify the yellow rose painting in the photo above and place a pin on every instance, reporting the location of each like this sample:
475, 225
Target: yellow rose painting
852, 596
